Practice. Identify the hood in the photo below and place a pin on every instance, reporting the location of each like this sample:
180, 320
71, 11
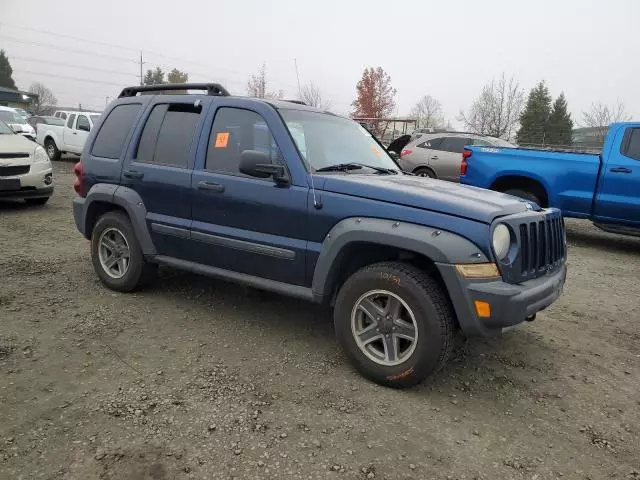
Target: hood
15, 144
430, 194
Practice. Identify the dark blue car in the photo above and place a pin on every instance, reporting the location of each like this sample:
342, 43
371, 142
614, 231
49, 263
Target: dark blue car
284, 197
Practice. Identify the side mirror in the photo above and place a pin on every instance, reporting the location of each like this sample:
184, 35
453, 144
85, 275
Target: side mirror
393, 154
16, 128
257, 164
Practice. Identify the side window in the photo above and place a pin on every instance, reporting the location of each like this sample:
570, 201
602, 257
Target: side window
114, 131
631, 143
454, 144
63, 115
72, 117
235, 130
432, 144
168, 135
83, 123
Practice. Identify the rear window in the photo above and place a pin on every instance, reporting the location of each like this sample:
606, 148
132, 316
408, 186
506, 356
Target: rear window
433, 144
168, 135
115, 129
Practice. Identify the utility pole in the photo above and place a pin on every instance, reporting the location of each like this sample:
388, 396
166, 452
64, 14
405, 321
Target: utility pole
295, 63
141, 63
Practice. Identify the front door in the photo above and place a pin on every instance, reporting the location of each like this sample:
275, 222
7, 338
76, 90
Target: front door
80, 133
241, 223
159, 170
618, 198
69, 133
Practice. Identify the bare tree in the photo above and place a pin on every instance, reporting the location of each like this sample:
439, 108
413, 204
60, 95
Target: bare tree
257, 85
496, 111
45, 100
600, 116
311, 95
428, 112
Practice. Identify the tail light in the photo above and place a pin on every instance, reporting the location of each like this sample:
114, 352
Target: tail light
463, 165
406, 152
78, 184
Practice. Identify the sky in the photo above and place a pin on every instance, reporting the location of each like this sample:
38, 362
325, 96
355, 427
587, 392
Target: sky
87, 51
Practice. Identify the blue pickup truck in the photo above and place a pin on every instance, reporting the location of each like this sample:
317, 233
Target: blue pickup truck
284, 197
604, 188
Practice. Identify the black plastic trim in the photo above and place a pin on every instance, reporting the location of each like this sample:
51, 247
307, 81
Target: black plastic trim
168, 230
244, 245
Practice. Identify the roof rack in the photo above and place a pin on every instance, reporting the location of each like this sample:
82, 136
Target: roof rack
299, 102
212, 89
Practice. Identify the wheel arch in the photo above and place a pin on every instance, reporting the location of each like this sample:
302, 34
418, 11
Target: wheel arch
533, 185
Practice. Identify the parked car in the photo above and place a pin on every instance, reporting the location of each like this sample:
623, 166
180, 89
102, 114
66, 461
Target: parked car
37, 120
437, 155
288, 198
15, 121
25, 169
69, 137
23, 113
603, 188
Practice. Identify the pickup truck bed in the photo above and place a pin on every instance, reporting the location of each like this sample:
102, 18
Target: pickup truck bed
604, 188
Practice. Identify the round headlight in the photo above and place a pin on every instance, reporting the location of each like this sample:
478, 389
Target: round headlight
501, 241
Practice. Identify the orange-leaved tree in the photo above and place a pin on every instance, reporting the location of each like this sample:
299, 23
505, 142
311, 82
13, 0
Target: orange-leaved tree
375, 96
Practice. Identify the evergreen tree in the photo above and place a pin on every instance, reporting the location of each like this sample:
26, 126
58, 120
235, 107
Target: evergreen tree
560, 125
534, 118
5, 72
154, 77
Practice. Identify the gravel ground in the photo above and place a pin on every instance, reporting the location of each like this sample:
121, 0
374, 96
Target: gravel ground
194, 378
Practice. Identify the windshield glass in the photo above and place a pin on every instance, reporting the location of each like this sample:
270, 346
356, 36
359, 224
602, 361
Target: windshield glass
4, 129
9, 116
325, 140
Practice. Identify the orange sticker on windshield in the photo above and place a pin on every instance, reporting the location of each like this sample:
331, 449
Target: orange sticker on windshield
375, 151
222, 139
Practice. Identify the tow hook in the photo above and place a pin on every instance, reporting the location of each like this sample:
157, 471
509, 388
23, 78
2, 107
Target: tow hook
531, 318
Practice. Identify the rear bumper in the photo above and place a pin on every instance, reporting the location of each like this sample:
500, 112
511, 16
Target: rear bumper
79, 214
510, 303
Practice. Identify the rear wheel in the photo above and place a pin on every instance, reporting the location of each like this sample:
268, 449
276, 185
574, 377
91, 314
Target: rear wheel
395, 323
37, 201
52, 150
116, 254
424, 172
516, 192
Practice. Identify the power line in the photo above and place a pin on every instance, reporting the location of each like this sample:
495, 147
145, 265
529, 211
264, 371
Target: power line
120, 85
83, 52
27, 59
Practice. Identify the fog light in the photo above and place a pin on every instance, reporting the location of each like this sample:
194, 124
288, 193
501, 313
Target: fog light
483, 309
48, 179
478, 270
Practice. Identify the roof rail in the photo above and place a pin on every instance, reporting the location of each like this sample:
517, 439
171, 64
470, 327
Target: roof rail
299, 102
213, 89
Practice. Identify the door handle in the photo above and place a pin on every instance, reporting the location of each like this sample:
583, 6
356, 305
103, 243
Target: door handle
133, 174
620, 170
435, 157
75, 133
214, 187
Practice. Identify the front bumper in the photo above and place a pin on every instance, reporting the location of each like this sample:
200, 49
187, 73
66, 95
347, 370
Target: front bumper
38, 182
510, 303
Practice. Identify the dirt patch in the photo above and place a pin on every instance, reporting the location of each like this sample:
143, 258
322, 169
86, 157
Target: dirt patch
193, 378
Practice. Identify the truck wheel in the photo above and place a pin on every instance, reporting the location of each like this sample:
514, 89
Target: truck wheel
395, 323
516, 192
116, 254
52, 151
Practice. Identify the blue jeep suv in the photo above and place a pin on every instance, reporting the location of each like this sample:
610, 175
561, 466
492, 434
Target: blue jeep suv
288, 198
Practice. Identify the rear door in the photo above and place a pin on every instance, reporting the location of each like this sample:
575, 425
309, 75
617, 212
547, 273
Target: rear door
159, 169
446, 159
241, 223
618, 198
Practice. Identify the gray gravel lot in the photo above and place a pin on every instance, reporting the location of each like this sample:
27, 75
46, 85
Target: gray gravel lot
195, 378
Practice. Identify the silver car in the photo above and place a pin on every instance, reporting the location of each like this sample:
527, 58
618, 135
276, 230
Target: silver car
438, 155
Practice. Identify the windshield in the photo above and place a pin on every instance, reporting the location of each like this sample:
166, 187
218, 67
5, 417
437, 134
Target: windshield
9, 116
325, 140
4, 129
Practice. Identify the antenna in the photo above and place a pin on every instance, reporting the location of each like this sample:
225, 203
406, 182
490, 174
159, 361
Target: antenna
316, 203
295, 63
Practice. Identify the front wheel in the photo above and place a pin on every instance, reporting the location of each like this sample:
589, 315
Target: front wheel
395, 323
516, 192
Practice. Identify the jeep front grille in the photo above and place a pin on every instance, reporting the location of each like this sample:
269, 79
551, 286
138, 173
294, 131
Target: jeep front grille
541, 247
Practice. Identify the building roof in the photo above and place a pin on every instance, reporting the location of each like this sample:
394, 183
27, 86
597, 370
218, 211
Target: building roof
16, 96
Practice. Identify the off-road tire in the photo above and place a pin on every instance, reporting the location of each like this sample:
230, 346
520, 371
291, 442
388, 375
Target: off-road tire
432, 310
139, 272
516, 192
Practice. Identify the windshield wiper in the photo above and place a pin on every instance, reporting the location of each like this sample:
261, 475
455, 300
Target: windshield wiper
343, 167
